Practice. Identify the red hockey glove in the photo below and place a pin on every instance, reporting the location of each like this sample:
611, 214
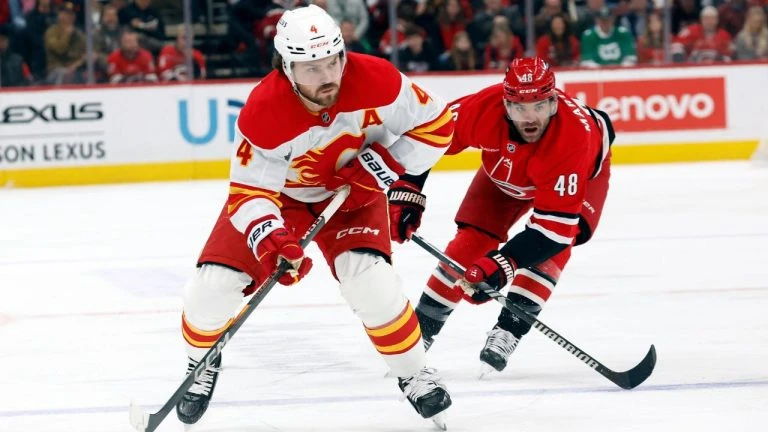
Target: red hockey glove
406, 204
271, 243
494, 269
372, 171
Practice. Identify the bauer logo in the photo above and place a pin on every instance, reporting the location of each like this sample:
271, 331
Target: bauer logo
657, 105
199, 123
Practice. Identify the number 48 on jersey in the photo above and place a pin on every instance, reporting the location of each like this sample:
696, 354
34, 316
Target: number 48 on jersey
569, 187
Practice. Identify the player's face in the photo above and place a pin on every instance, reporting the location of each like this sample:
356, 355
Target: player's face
319, 80
531, 119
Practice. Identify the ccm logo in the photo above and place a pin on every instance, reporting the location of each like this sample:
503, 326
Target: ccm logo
663, 104
356, 230
318, 45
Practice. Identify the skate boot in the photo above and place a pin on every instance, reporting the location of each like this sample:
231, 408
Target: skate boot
193, 404
504, 337
427, 394
498, 347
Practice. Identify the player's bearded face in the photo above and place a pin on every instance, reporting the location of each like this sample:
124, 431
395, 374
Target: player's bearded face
319, 80
531, 119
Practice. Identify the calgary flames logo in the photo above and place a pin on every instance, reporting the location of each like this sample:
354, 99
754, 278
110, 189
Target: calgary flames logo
316, 166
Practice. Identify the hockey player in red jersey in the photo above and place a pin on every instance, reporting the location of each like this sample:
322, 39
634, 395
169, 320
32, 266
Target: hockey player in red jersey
541, 150
323, 119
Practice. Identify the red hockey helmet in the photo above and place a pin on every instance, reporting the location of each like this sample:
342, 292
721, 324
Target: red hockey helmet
528, 80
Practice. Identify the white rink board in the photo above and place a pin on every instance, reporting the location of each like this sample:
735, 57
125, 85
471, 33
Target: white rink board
185, 123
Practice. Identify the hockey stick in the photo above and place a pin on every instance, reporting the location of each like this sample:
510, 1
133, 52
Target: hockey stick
146, 422
626, 380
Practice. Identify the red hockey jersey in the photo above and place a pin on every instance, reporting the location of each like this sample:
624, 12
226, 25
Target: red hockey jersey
172, 64
701, 47
552, 171
136, 69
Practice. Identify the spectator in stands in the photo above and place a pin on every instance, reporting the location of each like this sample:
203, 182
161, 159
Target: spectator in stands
65, 48
13, 71
5, 12
353, 11
752, 41
131, 63
502, 47
33, 38
451, 20
172, 62
731, 15
606, 44
482, 25
559, 46
684, 13
147, 22
350, 38
106, 39
635, 17
417, 55
542, 19
461, 56
585, 16
703, 42
406, 14
650, 45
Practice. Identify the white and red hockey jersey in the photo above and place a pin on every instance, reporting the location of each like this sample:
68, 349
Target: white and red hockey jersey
283, 148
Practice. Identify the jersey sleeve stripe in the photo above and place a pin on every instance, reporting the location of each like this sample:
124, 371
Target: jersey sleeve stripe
555, 237
437, 132
555, 213
240, 194
565, 220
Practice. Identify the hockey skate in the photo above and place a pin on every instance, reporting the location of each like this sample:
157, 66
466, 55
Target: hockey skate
427, 394
498, 347
193, 404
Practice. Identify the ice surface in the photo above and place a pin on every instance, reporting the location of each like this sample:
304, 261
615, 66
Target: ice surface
90, 283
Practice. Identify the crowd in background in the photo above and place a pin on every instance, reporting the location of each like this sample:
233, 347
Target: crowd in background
43, 42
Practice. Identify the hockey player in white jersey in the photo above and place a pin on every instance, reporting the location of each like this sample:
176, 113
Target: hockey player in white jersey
323, 119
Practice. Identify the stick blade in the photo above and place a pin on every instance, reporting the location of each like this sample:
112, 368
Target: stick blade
635, 376
138, 418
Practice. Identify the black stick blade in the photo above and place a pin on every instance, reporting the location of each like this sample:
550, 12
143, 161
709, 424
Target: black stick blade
635, 376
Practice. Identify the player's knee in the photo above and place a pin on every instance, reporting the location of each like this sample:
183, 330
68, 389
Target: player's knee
370, 286
212, 294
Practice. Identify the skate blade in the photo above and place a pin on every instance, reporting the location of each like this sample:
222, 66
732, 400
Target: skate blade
486, 371
138, 418
439, 421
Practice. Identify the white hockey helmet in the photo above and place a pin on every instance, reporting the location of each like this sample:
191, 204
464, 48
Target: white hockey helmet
306, 34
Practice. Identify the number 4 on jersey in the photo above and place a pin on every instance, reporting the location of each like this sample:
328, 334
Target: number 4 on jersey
572, 185
244, 153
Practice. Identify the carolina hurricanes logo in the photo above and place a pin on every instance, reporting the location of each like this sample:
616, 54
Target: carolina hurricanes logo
316, 166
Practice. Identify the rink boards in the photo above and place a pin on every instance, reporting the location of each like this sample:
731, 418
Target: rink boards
175, 132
